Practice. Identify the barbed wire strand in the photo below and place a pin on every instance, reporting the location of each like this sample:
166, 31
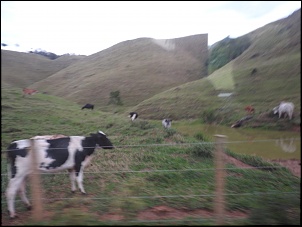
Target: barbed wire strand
179, 144
164, 170
168, 196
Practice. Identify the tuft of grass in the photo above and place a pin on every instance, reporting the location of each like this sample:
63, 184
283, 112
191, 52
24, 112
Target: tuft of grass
203, 150
277, 210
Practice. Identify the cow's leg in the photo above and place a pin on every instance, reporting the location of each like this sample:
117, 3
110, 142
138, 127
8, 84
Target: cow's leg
79, 178
22, 193
79, 168
11, 191
72, 179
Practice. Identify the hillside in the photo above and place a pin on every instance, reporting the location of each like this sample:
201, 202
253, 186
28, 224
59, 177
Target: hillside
168, 78
138, 69
274, 55
20, 69
149, 169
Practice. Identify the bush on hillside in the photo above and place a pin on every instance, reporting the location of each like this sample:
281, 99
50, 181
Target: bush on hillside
225, 51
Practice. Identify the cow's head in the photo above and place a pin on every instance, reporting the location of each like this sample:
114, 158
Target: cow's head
276, 109
102, 140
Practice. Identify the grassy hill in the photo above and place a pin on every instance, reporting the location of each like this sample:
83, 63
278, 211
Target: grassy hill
168, 78
23, 69
275, 55
137, 68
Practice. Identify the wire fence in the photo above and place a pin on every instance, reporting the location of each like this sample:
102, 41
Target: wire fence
113, 185
187, 144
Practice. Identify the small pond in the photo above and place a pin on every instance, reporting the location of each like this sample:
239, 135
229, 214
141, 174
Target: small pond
264, 143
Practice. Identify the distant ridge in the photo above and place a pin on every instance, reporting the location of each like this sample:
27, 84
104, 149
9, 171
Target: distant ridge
138, 69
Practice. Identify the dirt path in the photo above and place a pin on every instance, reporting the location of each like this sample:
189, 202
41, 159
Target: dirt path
293, 165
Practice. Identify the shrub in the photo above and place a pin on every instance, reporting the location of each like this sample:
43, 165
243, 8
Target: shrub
204, 150
208, 116
201, 136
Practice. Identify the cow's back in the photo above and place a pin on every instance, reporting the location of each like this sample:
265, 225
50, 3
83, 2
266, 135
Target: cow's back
286, 107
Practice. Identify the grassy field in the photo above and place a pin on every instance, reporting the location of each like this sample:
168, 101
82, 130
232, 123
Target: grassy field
153, 170
150, 167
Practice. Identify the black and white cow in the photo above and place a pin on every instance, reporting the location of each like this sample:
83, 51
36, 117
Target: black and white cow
133, 115
167, 123
71, 152
88, 106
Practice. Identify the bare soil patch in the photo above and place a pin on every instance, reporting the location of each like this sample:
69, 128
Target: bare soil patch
165, 212
293, 165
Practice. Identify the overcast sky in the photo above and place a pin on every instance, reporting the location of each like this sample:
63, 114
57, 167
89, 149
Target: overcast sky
84, 27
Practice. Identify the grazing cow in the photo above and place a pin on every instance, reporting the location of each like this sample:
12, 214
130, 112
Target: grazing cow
88, 106
249, 109
167, 123
286, 108
72, 153
133, 115
27, 91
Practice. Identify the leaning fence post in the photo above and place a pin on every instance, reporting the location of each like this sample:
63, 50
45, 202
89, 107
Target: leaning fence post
219, 178
36, 191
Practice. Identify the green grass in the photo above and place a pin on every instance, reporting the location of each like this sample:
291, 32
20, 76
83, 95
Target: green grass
152, 166
278, 80
142, 172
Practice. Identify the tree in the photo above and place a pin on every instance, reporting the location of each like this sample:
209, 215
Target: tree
115, 98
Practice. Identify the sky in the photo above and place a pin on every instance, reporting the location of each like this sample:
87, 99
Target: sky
87, 27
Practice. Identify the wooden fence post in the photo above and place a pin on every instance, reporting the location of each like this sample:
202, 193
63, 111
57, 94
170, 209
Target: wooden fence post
219, 205
36, 192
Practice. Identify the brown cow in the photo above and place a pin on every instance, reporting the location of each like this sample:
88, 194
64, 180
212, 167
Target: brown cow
249, 109
27, 91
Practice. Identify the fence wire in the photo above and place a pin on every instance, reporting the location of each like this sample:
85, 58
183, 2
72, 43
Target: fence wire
110, 182
184, 144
